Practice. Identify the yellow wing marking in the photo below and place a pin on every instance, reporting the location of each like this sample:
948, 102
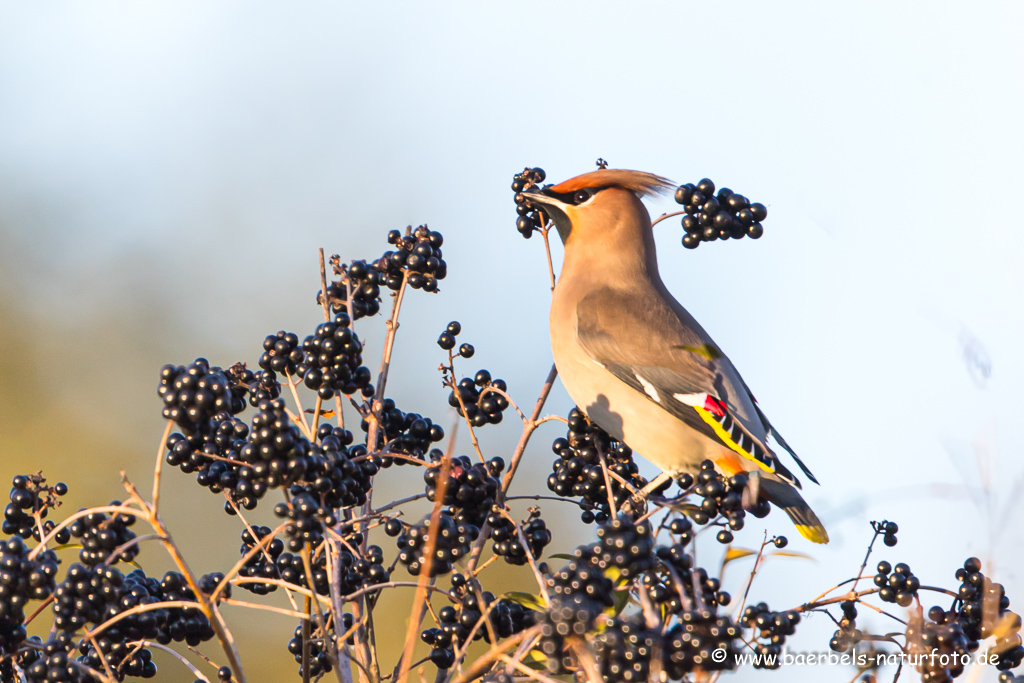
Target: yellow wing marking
727, 439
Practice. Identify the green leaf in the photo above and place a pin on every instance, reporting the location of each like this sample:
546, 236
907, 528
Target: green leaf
734, 553
620, 600
528, 600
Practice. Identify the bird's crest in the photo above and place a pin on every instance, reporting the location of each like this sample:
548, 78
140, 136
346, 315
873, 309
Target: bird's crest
643, 184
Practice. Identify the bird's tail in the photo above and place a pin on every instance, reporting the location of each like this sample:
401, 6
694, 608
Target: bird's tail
789, 499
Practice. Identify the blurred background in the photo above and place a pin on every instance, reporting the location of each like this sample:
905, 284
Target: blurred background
168, 171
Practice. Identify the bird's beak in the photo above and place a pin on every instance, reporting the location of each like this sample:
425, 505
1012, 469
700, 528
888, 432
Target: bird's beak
555, 209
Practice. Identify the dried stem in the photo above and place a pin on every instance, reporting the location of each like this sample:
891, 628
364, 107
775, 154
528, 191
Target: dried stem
666, 215
481, 665
116, 552
160, 465
547, 248
191, 667
753, 572
300, 414
235, 602
524, 439
99, 653
429, 552
84, 513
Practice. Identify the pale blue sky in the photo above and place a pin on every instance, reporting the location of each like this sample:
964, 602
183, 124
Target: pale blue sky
198, 152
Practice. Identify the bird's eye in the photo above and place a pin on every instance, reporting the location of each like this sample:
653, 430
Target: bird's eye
582, 196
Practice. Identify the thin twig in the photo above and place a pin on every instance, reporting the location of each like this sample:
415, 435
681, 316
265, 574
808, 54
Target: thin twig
116, 552
300, 413
753, 572
666, 215
235, 602
524, 439
84, 513
177, 655
158, 469
547, 249
483, 663
396, 503
505, 394
99, 653
867, 555
535, 675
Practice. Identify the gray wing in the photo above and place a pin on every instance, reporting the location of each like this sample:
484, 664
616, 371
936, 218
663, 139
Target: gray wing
654, 345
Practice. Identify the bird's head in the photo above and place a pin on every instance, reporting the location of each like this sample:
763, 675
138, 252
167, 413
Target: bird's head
594, 203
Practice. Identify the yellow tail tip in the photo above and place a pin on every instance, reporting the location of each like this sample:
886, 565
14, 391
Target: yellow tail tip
814, 534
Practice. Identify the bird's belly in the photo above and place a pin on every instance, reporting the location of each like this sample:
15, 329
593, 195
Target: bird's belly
617, 408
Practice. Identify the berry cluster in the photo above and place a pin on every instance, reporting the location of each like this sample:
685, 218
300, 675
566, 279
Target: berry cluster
332, 360
307, 520
92, 595
708, 218
21, 579
359, 572
847, 635
624, 647
624, 650
193, 395
679, 587
530, 218
319, 661
292, 569
101, 535
406, 433
335, 476
281, 353
579, 592
771, 628
899, 587
451, 542
447, 340
262, 385
507, 543
30, 495
577, 472
471, 488
419, 255
123, 658
690, 644
477, 400
887, 530
456, 625
983, 605
262, 564
365, 282
50, 661
721, 497
355, 572
276, 451
940, 645
202, 450
627, 546
416, 255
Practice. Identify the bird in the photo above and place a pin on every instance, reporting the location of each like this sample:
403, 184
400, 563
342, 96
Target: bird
636, 362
